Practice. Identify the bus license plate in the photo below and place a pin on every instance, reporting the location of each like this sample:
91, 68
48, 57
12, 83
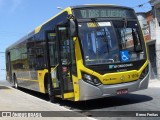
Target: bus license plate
122, 91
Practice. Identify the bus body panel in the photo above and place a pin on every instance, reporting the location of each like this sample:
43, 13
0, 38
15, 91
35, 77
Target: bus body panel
88, 91
41, 75
92, 92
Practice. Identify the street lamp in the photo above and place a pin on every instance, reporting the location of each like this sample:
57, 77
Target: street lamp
60, 8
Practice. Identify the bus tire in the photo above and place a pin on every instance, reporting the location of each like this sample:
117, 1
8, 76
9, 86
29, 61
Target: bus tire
49, 91
50, 94
15, 81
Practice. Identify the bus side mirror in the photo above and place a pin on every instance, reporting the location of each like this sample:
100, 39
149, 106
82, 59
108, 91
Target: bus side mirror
72, 28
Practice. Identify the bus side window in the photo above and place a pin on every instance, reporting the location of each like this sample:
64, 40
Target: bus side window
31, 48
65, 48
53, 49
40, 51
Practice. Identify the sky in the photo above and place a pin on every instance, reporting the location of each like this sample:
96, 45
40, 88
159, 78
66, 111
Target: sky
19, 17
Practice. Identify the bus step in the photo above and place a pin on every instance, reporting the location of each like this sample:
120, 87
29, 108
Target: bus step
57, 91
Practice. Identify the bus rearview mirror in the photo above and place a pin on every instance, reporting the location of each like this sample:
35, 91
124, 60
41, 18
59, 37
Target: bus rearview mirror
72, 28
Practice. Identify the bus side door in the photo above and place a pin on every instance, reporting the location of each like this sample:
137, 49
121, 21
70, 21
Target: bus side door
65, 60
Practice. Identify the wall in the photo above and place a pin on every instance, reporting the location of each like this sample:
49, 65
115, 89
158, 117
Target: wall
156, 15
148, 27
2, 67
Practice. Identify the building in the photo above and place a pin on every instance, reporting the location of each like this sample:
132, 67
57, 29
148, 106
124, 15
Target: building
147, 23
150, 24
156, 29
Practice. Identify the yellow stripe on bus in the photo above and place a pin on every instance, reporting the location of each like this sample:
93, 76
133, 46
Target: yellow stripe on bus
27, 79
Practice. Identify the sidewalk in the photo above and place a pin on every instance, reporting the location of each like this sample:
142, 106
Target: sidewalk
14, 100
154, 83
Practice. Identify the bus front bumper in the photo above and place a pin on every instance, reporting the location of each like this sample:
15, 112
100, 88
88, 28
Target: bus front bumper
88, 91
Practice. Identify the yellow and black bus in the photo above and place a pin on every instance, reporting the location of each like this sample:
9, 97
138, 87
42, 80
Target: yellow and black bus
84, 52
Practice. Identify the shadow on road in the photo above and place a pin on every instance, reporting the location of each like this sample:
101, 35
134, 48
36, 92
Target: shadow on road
107, 102
34, 93
114, 101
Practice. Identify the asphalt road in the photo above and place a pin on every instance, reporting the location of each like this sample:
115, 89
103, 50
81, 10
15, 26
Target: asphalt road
145, 100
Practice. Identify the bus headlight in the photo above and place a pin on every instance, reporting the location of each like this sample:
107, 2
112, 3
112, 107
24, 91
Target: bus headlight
144, 72
91, 79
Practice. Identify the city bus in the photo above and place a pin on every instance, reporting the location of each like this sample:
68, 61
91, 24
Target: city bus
85, 52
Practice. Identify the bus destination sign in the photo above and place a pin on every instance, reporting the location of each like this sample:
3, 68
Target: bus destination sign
104, 13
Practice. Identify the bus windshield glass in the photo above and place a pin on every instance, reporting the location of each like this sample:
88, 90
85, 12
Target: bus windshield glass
111, 42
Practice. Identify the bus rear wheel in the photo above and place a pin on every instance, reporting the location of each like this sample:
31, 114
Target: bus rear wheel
15, 82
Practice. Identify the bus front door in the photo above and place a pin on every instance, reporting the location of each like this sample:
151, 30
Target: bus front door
64, 69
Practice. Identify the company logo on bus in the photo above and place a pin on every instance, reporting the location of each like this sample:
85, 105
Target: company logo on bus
120, 66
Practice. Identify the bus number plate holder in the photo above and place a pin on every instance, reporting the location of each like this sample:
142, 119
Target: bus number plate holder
122, 91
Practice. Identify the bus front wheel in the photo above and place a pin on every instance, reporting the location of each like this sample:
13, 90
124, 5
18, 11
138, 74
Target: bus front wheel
50, 94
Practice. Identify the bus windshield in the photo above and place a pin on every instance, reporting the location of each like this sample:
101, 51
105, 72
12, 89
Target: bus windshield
110, 42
